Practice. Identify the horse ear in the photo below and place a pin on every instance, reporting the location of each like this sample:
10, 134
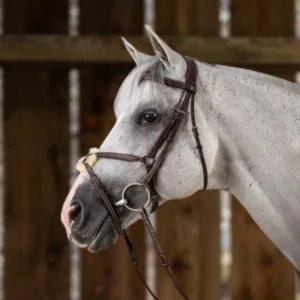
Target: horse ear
137, 56
168, 56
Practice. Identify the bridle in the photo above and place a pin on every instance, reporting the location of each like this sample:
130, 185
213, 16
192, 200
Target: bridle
153, 162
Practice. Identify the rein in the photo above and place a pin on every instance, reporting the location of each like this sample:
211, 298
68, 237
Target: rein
153, 162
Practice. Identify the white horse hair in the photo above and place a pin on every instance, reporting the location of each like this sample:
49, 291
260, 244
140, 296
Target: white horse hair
249, 125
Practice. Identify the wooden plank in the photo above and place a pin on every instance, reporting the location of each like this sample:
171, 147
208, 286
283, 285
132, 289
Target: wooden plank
259, 270
269, 18
92, 49
36, 162
188, 17
109, 274
189, 229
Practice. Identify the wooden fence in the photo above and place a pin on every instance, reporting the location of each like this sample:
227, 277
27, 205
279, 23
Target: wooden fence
36, 54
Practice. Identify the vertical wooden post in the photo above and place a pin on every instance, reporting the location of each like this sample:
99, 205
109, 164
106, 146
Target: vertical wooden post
189, 229
259, 270
36, 161
108, 274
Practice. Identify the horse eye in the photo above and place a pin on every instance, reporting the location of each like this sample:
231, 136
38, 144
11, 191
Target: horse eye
148, 117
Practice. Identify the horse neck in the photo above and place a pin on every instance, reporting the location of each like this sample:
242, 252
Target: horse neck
251, 114
258, 125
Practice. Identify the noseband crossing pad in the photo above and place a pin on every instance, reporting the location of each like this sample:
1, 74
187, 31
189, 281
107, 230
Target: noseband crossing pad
90, 159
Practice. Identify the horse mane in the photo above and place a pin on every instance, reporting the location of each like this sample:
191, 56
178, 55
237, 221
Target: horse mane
156, 73
278, 82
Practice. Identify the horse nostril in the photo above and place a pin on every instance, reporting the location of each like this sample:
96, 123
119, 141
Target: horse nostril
75, 212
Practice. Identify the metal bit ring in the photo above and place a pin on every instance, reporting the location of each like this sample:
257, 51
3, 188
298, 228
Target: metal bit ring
124, 202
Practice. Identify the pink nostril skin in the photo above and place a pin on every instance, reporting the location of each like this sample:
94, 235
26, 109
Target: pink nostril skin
65, 218
65, 215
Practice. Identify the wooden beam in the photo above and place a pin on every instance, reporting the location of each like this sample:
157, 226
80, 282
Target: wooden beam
109, 49
36, 161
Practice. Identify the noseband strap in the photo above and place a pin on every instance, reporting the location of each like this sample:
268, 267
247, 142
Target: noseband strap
153, 162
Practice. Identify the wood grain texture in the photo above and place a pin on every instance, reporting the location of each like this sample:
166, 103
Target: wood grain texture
260, 271
263, 18
108, 275
189, 229
188, 17
36, 162
106, 49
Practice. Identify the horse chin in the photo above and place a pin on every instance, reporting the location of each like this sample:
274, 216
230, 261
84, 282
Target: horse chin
105, 237
108, 234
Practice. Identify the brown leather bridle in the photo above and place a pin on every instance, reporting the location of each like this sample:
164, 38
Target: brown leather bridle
153, 162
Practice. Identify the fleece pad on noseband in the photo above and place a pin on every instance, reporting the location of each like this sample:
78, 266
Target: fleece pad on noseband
90, 159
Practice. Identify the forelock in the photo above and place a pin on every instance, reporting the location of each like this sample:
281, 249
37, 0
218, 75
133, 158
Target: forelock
150, 74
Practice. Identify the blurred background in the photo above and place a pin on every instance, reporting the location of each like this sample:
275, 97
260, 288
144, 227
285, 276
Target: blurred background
62, 62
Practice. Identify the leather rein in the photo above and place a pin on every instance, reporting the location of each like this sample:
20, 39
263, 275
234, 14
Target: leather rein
153, 162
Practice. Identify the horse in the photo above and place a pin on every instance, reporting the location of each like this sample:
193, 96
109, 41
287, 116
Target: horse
248, 123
